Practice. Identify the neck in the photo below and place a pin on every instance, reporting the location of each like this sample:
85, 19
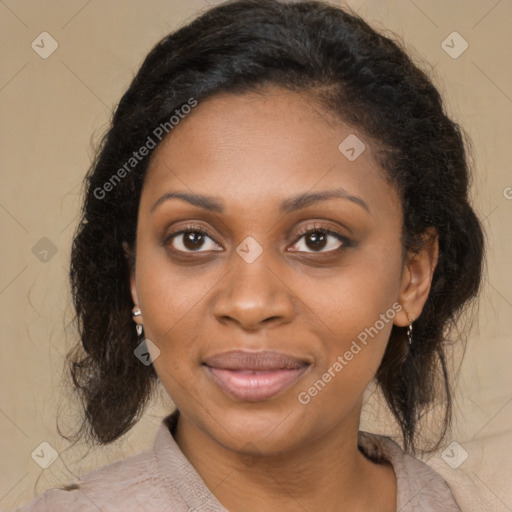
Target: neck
328, 473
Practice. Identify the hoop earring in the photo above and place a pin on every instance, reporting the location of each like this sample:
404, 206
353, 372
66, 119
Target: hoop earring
138, 327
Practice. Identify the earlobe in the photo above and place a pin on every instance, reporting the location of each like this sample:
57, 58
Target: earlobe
133, 288
136, 312
417, 278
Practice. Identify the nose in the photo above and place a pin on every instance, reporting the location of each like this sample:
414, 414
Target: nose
253, 296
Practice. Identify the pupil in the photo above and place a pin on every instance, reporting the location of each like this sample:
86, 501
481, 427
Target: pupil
193, 240
318, 240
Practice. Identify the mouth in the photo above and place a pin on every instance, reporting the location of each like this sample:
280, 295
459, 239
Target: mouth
254, 376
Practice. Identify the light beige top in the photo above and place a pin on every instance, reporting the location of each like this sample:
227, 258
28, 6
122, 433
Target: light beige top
163, 480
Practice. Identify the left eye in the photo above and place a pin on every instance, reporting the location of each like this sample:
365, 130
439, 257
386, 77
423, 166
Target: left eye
317, 239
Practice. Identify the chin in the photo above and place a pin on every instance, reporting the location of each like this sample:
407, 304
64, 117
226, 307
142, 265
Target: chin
263, 428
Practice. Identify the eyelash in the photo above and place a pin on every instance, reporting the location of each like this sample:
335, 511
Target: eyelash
307, 230
346, 242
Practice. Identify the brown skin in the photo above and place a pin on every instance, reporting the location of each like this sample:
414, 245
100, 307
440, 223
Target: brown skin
253, 151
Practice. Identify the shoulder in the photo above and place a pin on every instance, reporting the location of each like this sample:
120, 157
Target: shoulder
419, 487
159, 479
126, 484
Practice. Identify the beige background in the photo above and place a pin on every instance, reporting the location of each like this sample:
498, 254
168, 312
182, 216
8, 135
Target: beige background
50, 108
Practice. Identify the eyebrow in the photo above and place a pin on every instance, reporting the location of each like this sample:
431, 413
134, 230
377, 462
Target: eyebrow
292, 204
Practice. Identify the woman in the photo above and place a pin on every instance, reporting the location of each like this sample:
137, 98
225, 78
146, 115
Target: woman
277, 217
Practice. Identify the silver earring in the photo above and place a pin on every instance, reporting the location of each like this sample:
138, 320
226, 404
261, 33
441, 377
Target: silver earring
409, 331
137, 312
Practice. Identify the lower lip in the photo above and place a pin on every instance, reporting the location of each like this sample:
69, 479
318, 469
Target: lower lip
253, 386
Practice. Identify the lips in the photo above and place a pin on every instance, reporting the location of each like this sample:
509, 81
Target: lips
254, 376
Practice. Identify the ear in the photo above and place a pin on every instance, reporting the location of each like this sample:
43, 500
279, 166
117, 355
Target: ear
417, 278
133, 289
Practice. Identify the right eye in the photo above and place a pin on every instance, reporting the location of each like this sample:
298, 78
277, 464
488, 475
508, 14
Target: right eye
190, 239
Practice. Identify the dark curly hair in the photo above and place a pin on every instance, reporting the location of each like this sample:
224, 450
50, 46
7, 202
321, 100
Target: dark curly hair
359, 75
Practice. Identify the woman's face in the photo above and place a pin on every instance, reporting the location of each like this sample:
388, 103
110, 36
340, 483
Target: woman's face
268, 337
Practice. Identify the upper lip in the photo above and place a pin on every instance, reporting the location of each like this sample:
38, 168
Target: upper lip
263, 360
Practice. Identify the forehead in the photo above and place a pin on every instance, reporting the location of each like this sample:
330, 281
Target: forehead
253, 150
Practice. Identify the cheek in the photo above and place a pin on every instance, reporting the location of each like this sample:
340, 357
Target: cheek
355, 311
171, 318
351, 352
173, 308
170, 297
353, 299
